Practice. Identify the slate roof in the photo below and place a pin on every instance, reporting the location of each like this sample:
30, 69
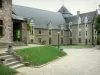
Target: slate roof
74, 19
14, 16
64, 10
41, 17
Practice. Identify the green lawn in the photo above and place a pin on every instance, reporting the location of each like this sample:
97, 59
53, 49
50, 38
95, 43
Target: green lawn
74, 46
4, 70
40, 55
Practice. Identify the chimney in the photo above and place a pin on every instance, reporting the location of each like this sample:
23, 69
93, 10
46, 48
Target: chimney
99, 6
78, 12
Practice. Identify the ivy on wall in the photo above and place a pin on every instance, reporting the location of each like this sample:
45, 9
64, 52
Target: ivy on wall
29, 26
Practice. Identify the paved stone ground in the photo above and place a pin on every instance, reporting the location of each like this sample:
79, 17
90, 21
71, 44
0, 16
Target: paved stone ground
78, 62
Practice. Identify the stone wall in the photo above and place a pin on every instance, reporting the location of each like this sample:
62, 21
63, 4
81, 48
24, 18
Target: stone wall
5, 15
24, 32
83, 36
54, 37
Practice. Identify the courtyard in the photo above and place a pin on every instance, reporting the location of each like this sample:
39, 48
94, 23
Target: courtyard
84, 61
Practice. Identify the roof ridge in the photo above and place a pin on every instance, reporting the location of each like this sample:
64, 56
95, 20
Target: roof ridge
35, 8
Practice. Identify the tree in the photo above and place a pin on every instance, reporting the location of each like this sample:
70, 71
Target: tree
97, 27
97, 24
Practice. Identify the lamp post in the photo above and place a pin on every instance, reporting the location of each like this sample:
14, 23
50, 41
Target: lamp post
58, 39
33, 25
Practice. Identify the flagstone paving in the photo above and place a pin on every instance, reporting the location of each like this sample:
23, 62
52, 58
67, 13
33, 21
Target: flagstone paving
78, 62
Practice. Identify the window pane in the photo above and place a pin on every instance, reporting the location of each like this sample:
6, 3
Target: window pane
39, 31
61, 40
79, 33
0, 3
50, 32
1, 22
49, 40
79, 40
86, 33
70, 34
61, 32
1, 31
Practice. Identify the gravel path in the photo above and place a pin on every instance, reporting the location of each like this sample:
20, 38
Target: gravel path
78, 62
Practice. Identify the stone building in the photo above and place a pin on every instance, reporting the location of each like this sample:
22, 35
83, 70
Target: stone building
5, 21
45, 25
74, 29
10, 23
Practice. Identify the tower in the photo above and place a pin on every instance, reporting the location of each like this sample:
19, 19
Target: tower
65, 12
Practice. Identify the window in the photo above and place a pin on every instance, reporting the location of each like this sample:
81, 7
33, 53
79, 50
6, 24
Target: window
86, 25
39, 39
39, 31
1, 22
50, 31
86, 33
79, 33
49, 40
89, 41
32, 30
86, 42
95, 37
31, 40
61, 40
71, 41
62, 32
70, 34
1, 27
0, 3
70, 26
79, 40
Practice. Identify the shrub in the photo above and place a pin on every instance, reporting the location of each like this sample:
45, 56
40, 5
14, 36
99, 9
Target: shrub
43, 42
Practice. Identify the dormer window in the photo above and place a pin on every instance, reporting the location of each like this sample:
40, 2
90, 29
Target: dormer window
50, 28
79, 21
62, 30
50, 25
70, 25
62, 27
1, 3
32, 26
86, 19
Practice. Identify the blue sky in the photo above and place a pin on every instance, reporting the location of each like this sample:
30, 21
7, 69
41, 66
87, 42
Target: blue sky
54, 5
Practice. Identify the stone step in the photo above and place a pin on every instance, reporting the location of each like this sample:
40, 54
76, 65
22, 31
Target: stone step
10, 60
3, 53
12, 63
6, 56
17, 66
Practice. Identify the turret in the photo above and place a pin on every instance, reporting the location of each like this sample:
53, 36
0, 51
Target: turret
65, 12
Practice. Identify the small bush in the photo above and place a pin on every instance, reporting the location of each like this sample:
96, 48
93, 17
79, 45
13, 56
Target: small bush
4, 70
43, 42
